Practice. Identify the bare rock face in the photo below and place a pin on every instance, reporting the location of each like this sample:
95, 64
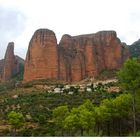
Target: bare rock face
42, 56
75, 58
71, 59
87, 55
1, 68
10, 65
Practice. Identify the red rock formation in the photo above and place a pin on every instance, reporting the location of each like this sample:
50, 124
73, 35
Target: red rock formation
42, 57
10, 65
87, 55
75, 58
71, 59
19, 64
1, 68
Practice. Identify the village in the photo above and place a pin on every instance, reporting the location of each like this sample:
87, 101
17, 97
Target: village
107, 85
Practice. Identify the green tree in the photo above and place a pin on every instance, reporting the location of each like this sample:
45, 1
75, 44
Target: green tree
122, 105
59, 115
16, 120
86, 116
42, 119
71, 122
122, 109
81, 118
110, 109
129, 80
106, 112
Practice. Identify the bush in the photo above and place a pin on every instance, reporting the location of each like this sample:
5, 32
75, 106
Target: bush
5, 132
106, 74
26, 132
28, 85
9, 85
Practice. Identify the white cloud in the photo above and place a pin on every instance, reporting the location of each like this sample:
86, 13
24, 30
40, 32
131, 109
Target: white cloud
76, 17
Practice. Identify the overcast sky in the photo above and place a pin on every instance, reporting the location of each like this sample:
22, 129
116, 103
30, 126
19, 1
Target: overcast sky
20, 18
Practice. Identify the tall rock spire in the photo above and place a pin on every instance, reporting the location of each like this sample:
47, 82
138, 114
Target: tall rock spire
9, 62
42, 57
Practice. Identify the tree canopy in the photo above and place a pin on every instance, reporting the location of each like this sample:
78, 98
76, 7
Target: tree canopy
16, 120
129, 75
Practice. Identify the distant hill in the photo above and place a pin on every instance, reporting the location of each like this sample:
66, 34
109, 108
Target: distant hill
135, 49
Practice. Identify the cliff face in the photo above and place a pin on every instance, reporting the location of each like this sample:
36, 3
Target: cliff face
71, 59
1, 68
10, 65
9, 62
75, 58
87, 55
42, 57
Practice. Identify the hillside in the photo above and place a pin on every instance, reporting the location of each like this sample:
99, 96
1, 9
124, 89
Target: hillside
135, 49
70, 88
37, 104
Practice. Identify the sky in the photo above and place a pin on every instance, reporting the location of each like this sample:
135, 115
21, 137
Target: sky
20, 18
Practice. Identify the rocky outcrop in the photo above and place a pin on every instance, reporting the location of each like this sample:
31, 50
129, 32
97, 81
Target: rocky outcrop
87, 55
42, 57
71, 59
1, 68
75, 58
10, 65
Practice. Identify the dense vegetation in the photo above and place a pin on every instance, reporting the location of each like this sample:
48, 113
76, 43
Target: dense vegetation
96, 113
135, 49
